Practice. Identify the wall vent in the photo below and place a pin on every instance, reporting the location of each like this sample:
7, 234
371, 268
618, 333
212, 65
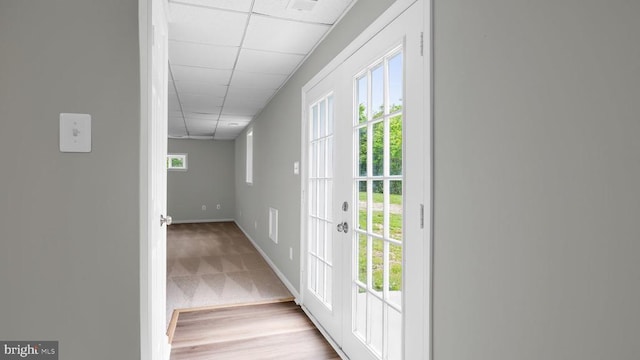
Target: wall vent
273, 225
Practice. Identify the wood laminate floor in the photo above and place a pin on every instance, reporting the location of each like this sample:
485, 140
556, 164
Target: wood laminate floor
278, 330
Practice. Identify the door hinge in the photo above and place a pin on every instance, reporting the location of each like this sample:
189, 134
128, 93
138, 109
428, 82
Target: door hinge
421, 43
421, 216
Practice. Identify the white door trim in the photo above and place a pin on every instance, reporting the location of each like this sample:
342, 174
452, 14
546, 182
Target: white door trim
144, 27
145, 37
427, 57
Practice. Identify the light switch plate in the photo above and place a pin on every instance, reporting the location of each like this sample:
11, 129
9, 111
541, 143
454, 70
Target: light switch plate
75, 132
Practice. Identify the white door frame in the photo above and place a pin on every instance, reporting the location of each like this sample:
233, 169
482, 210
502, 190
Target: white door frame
145, 38
148, 337
424, 332
145, 30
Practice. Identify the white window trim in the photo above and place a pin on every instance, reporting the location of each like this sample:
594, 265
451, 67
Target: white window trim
249, 157
184, 161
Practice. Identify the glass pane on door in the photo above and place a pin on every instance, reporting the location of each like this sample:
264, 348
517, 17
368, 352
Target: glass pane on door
378, 178
320, 197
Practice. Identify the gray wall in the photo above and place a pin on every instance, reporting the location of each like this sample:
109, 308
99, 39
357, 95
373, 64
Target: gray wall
277, 146
69, 248
537, 197
209, 180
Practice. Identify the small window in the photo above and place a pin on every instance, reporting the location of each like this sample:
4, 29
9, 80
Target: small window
177, 161
250, 156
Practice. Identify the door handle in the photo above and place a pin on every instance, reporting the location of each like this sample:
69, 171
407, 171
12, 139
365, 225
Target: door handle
343, 227
165, 220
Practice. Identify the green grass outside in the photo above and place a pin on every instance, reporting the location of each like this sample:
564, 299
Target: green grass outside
395, 223
395, 264
395, 252
379, 198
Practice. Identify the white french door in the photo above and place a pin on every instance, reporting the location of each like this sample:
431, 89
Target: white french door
323, 256
364, 190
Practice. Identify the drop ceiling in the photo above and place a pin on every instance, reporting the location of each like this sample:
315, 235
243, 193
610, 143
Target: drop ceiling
228, 58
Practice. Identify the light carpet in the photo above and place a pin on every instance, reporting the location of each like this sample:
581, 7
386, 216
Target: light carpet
213, 264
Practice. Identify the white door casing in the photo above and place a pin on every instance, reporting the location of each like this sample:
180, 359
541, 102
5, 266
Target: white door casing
153, 174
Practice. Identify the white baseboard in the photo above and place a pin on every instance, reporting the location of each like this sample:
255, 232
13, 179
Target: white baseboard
167, 350
201, 221
333, 344
273, 266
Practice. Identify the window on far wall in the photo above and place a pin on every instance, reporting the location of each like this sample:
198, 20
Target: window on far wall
177, 161
250, 156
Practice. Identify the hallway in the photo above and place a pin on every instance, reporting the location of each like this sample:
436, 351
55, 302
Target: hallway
215, 264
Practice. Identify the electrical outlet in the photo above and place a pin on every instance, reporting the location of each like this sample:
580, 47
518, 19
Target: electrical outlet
218, 207
255, 224
290, 253
204, 207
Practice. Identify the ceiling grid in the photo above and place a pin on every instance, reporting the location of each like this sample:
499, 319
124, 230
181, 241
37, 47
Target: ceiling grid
228, 58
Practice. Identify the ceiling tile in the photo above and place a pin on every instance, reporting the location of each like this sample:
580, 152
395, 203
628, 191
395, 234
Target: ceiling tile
257, 80
174, 104
176, 120
250, 92
201, 135
199, 55
190, 73
201, 104
267, 62
234, 111
202, 108
236, 119
227, 133
209, 70
205, 25
249, 106
231, 126
325, 11
203, 116
200, 88
266, 33
226, 137
187, 99
229, 130
176, 127
255, 98
242, 109
201, 127
201, 124
236, 5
